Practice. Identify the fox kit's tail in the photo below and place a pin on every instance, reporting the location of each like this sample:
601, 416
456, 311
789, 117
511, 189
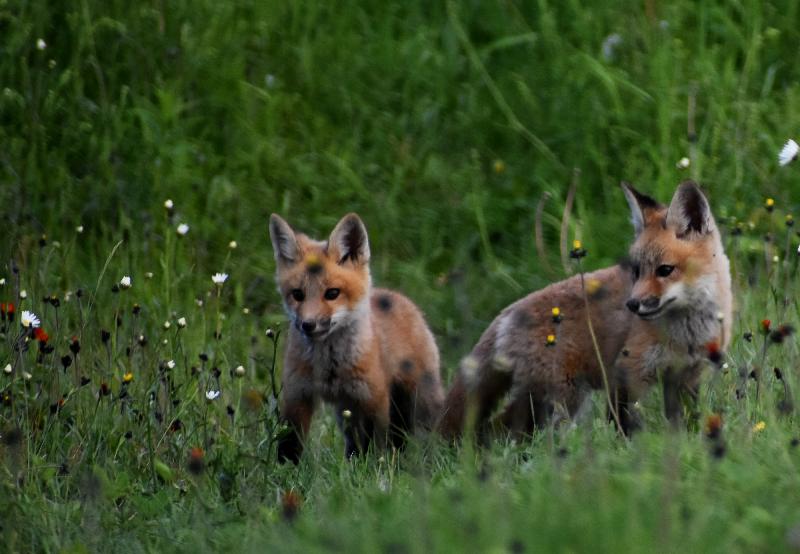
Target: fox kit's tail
451, 424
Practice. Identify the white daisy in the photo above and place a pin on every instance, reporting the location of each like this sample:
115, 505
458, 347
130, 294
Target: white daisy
8, 369
212, 395
789, 152
29, 319
148, 275
171, 364
23, 294
182, 322
27, 376
683, 163
41, 44
233, 245
167, 325
2, 281
239, 371
79, 229
169, 204
610, 44
182, 229
219, 278
347, 414
125, 282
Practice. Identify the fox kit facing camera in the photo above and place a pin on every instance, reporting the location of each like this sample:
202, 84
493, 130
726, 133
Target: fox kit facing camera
366, 351
653, 319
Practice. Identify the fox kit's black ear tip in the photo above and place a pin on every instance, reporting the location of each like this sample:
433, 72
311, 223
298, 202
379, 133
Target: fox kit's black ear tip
349, 239
352, 217
689, 185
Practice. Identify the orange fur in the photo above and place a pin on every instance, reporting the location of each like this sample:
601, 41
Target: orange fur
681, 292
367, 351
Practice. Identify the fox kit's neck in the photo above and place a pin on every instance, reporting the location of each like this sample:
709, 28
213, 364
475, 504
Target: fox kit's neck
346, 343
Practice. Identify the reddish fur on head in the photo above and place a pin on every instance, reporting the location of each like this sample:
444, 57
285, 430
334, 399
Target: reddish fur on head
322, 283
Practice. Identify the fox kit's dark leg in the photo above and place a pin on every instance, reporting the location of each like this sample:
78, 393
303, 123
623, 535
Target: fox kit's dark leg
297, 407
623, 405
368, 419
522, 414
358, 430
672, 400
402, 414
297, 414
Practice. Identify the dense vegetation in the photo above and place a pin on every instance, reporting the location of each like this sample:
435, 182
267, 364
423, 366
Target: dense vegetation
444, 125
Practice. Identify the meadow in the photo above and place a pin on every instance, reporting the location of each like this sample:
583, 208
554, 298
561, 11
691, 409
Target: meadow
144, 146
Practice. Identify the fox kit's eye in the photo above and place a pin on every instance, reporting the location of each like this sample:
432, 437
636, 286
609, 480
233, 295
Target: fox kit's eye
664, 270
298, 295
636, 272
331, 294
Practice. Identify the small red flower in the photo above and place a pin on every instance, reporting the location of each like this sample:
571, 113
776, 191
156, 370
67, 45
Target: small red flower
713, 352
40, 335
713, 426
765, 326
196, 462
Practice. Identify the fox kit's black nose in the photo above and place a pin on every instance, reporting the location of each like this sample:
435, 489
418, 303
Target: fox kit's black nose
633, 305
308, 327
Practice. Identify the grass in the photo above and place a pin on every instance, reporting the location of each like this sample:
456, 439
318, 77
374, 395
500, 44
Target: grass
442, 125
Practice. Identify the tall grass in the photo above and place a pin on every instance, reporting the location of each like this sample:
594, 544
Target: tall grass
443, 125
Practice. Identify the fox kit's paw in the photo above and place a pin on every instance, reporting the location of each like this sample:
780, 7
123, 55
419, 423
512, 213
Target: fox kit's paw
290, 448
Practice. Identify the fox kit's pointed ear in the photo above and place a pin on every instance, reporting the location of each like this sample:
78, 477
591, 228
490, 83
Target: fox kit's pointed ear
640, 204
349, 240
689, 212
284, 241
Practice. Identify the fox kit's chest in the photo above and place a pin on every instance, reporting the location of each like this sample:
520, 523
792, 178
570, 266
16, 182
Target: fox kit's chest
335, 368
683, 343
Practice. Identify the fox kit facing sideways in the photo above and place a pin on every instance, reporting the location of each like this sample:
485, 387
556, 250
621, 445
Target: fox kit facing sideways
367, 351
680, 290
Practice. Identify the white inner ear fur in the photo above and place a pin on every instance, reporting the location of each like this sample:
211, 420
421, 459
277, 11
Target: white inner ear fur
689, 200
284, 241
637, 216
349, 240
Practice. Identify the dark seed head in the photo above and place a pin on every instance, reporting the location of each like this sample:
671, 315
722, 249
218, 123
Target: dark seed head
196, 463
718, 450
12, 437
105, 336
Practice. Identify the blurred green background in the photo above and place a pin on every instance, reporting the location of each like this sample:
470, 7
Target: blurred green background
441, 124
444, 125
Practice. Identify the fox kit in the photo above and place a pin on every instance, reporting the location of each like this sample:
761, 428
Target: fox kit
681, 294
677, 283
367, 351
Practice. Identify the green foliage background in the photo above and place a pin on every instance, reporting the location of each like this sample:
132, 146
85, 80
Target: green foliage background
442, 124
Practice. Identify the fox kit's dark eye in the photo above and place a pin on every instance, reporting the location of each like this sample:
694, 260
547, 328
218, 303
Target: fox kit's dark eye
298, 295
664, 270
331, 294
636, 272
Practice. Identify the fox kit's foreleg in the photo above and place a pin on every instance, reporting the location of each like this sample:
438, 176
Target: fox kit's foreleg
365, 420
297, 407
